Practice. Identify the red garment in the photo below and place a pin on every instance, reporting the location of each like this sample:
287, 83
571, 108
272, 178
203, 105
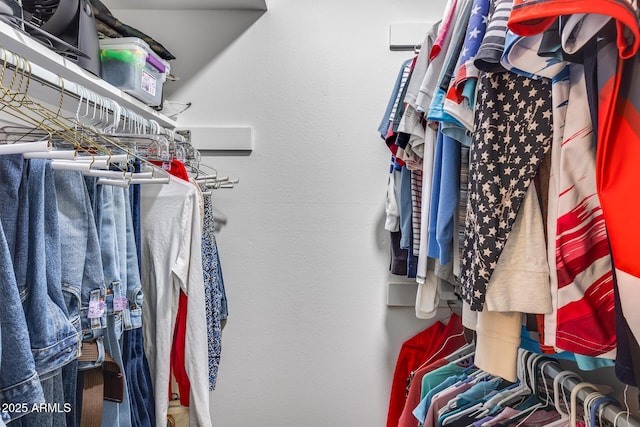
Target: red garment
177, 352
531, 17
413, 398
429, 344
177, 169
176, 363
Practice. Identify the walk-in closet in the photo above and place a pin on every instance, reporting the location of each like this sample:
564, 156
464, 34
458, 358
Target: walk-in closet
332, 213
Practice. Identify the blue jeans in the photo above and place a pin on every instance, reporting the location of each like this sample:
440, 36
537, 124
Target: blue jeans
135, 362
18, 378
54, 394
133, 319
82, 274
54, 339
141, 390
33, 251
110, 208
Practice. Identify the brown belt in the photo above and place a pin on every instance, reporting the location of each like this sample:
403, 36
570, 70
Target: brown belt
101, 383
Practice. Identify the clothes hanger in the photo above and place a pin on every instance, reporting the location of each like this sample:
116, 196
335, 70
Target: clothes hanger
444, 344
574, 398
615, 419
594, 402
15, 102
40, 147
84, 138
522, 389
542, 404
463, 352
504, 395
558, 389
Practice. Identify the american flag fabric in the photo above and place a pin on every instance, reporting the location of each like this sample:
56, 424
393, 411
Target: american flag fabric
580, 251
476, 28
618, 129
459, 101
530, 17
508, 145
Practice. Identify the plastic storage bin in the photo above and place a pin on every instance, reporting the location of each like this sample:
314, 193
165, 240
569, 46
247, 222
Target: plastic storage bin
129, 64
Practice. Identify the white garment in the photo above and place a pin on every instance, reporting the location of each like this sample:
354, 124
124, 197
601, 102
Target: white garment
469, 317
410, 122
498, 342
171, 261
421, 66
427, 184
392, 221
432, 76
560, 94
428, 295
520, 280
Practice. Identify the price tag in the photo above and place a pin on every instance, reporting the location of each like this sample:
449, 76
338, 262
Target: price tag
96, 309
120, 304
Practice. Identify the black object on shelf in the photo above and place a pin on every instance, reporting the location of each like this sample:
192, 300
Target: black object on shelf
69, 21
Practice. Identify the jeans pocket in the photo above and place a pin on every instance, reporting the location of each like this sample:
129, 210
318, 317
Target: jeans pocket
54, 339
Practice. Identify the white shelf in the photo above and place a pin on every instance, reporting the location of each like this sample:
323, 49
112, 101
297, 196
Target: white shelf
49, 66
217, 139
407, 35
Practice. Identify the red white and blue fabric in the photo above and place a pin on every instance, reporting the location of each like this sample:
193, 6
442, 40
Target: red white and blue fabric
508, 145
476, 28
580, 253
460, 100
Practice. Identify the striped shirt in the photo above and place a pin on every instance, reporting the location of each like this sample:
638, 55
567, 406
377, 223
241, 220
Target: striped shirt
490, 52
416, 212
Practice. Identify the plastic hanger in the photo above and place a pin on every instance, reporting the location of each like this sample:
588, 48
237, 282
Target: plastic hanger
26, 147
462, 353
446, 341
574, 398
595, 398
558, 389
615, 419
534, 402
523, 388
506, 394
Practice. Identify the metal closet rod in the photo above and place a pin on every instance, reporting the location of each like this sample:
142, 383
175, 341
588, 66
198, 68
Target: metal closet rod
609, 411
73, 90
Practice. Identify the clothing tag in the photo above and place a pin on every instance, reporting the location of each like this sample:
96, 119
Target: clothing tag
120, 304
96, 309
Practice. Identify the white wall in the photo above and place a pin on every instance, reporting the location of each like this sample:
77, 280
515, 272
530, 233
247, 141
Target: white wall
310, 341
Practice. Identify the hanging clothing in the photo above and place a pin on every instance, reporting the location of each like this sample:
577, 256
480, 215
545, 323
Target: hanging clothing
18, 376
508, 145
530, 17
212, 287
460, 99
430, 344
407, 419
173, 262
492, 46
615, 78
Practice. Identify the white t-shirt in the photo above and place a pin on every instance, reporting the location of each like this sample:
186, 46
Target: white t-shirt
172, 260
